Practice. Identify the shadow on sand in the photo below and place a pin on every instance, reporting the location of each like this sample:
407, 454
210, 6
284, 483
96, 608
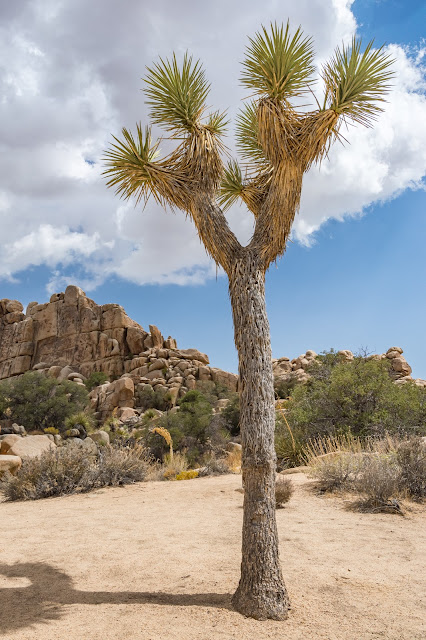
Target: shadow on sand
51, 589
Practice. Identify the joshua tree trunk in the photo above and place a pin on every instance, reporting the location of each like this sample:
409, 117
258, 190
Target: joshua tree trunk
261, 593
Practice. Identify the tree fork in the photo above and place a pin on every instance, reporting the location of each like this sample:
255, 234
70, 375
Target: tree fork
261, 593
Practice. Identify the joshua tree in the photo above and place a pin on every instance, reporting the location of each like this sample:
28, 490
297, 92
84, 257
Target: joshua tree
278, 143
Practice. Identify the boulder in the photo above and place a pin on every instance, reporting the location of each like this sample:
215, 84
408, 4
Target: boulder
400, 365
101, 437
346, 354
7, 442
9, 463
31, 447
397, 349
14, 306
125, 413
229, 380
157, 338
192, 354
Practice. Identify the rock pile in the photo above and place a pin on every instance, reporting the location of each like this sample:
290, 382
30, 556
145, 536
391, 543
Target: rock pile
71, 336
286, 370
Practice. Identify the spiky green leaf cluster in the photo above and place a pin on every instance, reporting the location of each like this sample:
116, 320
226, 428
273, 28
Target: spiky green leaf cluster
247, 134
127, 163
277, 65
217, 122
176, 95
356, 81
232, 185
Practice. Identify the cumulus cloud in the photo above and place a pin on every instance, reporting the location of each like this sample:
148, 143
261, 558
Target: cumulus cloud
70, 76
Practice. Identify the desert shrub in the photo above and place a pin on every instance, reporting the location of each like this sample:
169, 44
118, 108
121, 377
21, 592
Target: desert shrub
214, 466
187, 475
284, 388
120, 465
336, 470
147, 398
37, 401
288, 443
95, 379
357, 397
283, 491
378, 483
213, 391
66, 470
174, 465
411, 458
82, 420
189, 425
56, 472
231, 415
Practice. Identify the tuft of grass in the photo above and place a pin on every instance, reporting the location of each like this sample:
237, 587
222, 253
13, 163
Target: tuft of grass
175, 465
86, 420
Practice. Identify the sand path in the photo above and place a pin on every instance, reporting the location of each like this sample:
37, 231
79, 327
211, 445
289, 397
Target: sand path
158, 561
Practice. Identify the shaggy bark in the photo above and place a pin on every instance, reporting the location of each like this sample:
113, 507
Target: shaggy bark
261, 592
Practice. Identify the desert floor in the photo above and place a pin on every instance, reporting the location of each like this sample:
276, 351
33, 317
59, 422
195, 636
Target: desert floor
160, 560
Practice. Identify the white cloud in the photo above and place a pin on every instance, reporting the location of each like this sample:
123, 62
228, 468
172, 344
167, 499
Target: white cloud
72, 77
378, 163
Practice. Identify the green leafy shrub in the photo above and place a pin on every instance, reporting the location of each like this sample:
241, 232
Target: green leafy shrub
231, 415
38, 402
65, 470
357, 397
147, 398
95, 379
283, 491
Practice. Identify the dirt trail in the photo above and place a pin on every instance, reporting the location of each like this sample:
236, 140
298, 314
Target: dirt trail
158, 561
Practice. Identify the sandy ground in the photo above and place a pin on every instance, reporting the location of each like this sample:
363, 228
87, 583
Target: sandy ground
159, 561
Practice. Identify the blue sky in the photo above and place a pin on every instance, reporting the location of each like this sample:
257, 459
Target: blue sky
352, 278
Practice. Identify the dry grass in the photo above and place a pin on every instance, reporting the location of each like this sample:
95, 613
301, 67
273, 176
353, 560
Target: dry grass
66, 470
378, 472
283, 491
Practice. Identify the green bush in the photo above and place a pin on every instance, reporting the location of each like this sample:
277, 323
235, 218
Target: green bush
95, 379
37, 401
147, 398
231, 415
357, 397
66, 470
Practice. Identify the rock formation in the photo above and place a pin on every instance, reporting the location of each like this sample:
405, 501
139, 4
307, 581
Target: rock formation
286, 370
71, 337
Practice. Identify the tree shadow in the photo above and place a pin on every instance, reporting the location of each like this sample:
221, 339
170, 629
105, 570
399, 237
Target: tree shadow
52, 589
